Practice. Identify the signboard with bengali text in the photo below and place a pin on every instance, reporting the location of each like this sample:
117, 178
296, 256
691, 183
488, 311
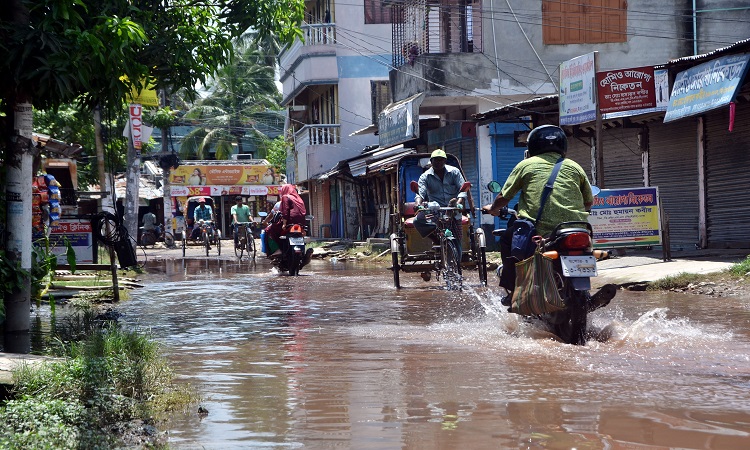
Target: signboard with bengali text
80, 235
626, 218
223, 175
578, 90
706, 86
218, 190
626, 89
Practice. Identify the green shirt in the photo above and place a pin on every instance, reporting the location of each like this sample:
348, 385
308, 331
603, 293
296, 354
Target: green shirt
566, 201
242, 211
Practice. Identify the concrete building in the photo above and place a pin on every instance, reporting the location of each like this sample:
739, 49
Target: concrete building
468, 56
335, 82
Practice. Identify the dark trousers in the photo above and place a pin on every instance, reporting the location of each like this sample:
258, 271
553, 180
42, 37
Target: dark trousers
508, 274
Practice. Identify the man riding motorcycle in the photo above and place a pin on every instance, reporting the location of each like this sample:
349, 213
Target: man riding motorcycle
570, 200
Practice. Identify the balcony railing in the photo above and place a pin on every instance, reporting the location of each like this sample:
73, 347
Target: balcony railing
317, 135
320, 33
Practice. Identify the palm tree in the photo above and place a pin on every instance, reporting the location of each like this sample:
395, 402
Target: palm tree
239, 95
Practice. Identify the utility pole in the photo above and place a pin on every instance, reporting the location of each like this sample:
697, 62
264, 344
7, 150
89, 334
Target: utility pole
133, 171
18, 165
165, 171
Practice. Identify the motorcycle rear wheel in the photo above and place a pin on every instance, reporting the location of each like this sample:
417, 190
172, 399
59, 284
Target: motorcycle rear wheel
294, 263
570, 324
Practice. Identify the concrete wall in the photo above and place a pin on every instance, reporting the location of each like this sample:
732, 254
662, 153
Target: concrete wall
718, 29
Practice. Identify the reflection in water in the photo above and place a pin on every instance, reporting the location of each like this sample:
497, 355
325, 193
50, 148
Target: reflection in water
337, 357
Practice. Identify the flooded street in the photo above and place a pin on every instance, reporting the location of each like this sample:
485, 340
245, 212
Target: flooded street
338, 358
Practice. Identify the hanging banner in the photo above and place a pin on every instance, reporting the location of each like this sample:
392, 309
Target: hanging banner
626, 217
578, 90
399, 121
626, 89
227, 175
136, 126
215, 191
706, 86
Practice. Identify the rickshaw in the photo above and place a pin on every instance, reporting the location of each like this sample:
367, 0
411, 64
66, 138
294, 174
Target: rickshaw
411, 252
209, 234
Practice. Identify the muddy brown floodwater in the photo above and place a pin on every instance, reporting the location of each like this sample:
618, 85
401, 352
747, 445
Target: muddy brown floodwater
338, 358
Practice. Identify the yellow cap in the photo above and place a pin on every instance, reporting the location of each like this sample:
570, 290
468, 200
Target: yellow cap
439, 153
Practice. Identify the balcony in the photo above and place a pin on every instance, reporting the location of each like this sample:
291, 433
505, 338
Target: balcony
313, 146
311, 62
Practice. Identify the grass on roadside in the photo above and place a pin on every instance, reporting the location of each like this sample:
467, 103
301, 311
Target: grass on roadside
684, 279
100, 387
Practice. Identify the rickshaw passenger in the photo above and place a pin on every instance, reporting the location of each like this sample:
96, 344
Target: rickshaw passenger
201, 212
440, 183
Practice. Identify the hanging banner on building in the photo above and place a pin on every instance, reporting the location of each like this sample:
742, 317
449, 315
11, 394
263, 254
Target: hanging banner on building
399, 121
216, 190
225, 175
578, 90
706, 86
626, 217
626, 90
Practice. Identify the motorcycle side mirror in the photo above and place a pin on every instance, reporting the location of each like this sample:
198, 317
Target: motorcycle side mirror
414, 186
595, 190
465, 187
494, 187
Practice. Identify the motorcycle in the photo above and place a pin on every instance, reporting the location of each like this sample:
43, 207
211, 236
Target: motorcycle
151, 236
570, 247
292, 246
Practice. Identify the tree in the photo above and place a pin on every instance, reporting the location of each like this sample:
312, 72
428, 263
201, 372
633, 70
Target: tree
61, 51
239, 95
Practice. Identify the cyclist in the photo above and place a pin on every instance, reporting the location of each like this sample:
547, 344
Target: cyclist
240, 214
441, 183
202, 212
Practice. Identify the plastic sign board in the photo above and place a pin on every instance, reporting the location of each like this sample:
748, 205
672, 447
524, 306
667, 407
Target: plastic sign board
578, 90
706, 86
626, 218
80, 235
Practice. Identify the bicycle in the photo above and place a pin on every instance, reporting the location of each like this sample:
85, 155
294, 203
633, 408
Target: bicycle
151, 237
448, 257
245, 240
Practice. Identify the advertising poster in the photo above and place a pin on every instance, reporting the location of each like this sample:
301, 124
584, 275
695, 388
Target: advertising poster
215, 191
226, 175
706, 86
626, 218
80, 235
578, 90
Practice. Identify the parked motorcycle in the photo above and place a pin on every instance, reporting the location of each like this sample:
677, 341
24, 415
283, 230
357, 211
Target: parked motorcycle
570, 247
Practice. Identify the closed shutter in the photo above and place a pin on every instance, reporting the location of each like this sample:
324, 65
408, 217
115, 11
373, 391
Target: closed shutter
317, 200
728, 178
673, 168
470, 167
623, 167
579, 150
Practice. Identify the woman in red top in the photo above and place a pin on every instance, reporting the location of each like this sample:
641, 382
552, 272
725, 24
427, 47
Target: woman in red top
292, 211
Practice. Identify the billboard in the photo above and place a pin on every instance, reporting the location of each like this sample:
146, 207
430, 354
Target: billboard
706, 86
223, 175
578, 90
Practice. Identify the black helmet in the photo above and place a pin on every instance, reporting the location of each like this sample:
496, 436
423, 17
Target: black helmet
547, 138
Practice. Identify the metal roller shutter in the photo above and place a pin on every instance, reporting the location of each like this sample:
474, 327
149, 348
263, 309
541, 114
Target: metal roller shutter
466, 152
579, 150
623, 167
727, 178
673, 167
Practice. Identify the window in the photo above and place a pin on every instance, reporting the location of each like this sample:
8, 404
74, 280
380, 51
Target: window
584, 21
377, 12
381, 97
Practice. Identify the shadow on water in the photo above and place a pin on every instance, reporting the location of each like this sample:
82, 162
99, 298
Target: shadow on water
338, 357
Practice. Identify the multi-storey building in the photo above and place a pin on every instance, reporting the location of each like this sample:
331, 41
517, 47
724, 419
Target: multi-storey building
335, 82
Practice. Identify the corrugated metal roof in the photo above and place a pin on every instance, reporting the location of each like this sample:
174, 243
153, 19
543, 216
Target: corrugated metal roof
737, 47
518, 108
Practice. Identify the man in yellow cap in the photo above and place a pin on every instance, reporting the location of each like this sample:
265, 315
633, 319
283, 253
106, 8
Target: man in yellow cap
441, 182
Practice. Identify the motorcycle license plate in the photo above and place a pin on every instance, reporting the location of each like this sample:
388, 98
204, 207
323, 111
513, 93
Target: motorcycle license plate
578, 266
296, 241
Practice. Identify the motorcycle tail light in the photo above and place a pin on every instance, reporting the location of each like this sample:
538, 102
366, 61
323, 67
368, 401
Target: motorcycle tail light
295, 229
576, 241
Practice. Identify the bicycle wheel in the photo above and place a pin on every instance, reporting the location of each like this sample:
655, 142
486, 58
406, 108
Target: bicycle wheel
218, 242
239, 247
168, 239
206, 242
451, 265
250, 244
184, 242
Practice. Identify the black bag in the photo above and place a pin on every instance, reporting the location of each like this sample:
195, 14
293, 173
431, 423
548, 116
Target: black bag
522, 245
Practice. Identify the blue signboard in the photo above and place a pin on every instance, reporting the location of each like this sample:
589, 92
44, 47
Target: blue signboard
707, 86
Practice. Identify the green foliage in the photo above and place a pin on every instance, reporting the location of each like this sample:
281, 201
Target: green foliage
160, 117
115, 376
679, 281
43, 265
276, 153
742, 268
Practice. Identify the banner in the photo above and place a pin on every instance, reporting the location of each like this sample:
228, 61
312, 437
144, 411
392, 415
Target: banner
136, 126
626, 89
80, 235
215, 190
578, 90
706, 86
226, 175
626, 217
